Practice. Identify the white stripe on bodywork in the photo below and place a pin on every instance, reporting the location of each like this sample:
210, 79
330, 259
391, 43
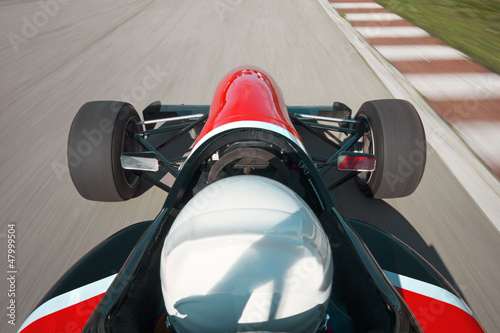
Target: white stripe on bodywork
373, 17
391, 32
426, 289
356, 5
68, 299
457, 86
419, 52
249, 124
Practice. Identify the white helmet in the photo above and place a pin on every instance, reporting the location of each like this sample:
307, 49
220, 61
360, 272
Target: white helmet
246, 254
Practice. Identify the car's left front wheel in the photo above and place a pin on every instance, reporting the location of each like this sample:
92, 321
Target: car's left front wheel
101, 131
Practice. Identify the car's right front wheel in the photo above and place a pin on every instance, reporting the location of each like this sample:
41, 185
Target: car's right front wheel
395, 135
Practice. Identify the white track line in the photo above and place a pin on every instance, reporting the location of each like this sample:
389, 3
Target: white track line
459, 86
356, 5
476, 179
373, 17
391, 32
479, 132
419, 52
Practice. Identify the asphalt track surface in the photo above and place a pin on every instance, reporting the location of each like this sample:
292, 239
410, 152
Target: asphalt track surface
176, 52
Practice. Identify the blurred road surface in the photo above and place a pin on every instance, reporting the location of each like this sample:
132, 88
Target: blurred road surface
56, 55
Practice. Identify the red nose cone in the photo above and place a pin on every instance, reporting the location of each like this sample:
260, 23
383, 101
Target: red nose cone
248, 94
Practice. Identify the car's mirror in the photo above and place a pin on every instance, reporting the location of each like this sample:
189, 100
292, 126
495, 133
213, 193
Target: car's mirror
349, 161
141, 161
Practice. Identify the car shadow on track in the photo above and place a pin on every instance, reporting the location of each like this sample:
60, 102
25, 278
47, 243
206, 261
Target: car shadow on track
353, 204
380, 214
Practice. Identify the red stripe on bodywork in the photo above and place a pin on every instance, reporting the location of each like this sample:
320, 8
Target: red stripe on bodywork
70, 319
435, 316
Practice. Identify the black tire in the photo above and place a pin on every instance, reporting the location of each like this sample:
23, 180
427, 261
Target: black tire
100, 132
395, 135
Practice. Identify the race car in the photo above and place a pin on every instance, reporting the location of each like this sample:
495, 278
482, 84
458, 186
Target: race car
249, 238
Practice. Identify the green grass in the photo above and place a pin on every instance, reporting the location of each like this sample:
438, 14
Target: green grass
471, 26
